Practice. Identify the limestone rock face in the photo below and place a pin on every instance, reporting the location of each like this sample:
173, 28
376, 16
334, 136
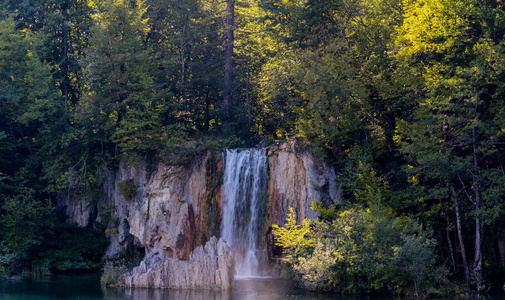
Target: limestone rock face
296, 178
167, 214
209, 267
161, 214
175, 209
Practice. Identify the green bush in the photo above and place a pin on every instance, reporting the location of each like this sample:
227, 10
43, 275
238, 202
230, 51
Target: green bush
24, 218
71, 247
233, 142
10, 263
34, 236
212, 145
127, 189
362, 250
178, 149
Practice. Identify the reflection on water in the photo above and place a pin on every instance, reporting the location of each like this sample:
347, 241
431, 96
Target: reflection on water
87, 287
57, 287
246, 289
143, 294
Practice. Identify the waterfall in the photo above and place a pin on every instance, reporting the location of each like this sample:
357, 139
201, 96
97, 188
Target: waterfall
245, 207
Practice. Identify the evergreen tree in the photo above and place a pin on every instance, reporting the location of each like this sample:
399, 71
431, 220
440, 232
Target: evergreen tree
453, 138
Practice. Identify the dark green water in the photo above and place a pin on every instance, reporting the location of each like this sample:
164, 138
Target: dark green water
87, 287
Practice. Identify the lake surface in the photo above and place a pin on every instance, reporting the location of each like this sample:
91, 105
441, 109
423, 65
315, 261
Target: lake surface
87, 287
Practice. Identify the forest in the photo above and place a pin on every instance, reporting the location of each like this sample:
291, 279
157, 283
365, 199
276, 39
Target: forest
405, 98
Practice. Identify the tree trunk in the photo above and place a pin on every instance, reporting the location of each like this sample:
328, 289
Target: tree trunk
247, 94
183, 68
64, 65
228, 60
451, 252
207, 109
460, 236
501, 246
477, 263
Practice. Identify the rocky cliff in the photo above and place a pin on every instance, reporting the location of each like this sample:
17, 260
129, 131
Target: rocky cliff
172, 210
169, 211
209, 267
296, 178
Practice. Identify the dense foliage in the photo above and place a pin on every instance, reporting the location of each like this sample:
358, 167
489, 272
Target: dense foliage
410, 92
363, 247
35, 238
363, 250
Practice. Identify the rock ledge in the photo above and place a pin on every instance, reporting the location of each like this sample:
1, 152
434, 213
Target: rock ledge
209, 267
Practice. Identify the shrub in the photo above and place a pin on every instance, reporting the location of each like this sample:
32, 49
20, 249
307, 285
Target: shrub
10, 263
362, 250
212, 145
233, 142
71, 247
23, 221
34, 236
178, 149
315, 269
127, 189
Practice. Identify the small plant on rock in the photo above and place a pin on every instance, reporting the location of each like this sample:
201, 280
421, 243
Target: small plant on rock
127, 189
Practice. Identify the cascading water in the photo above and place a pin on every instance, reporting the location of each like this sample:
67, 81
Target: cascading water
245, 206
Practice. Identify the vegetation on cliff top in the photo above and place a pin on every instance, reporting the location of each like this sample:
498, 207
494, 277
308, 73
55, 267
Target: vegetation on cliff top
411, 89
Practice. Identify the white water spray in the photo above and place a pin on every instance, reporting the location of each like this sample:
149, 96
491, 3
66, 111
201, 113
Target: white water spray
244, 193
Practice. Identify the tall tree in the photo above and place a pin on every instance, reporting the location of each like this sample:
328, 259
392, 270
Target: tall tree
120, 104
228, 58
65, 25
336, 72
455, 134
35, 124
